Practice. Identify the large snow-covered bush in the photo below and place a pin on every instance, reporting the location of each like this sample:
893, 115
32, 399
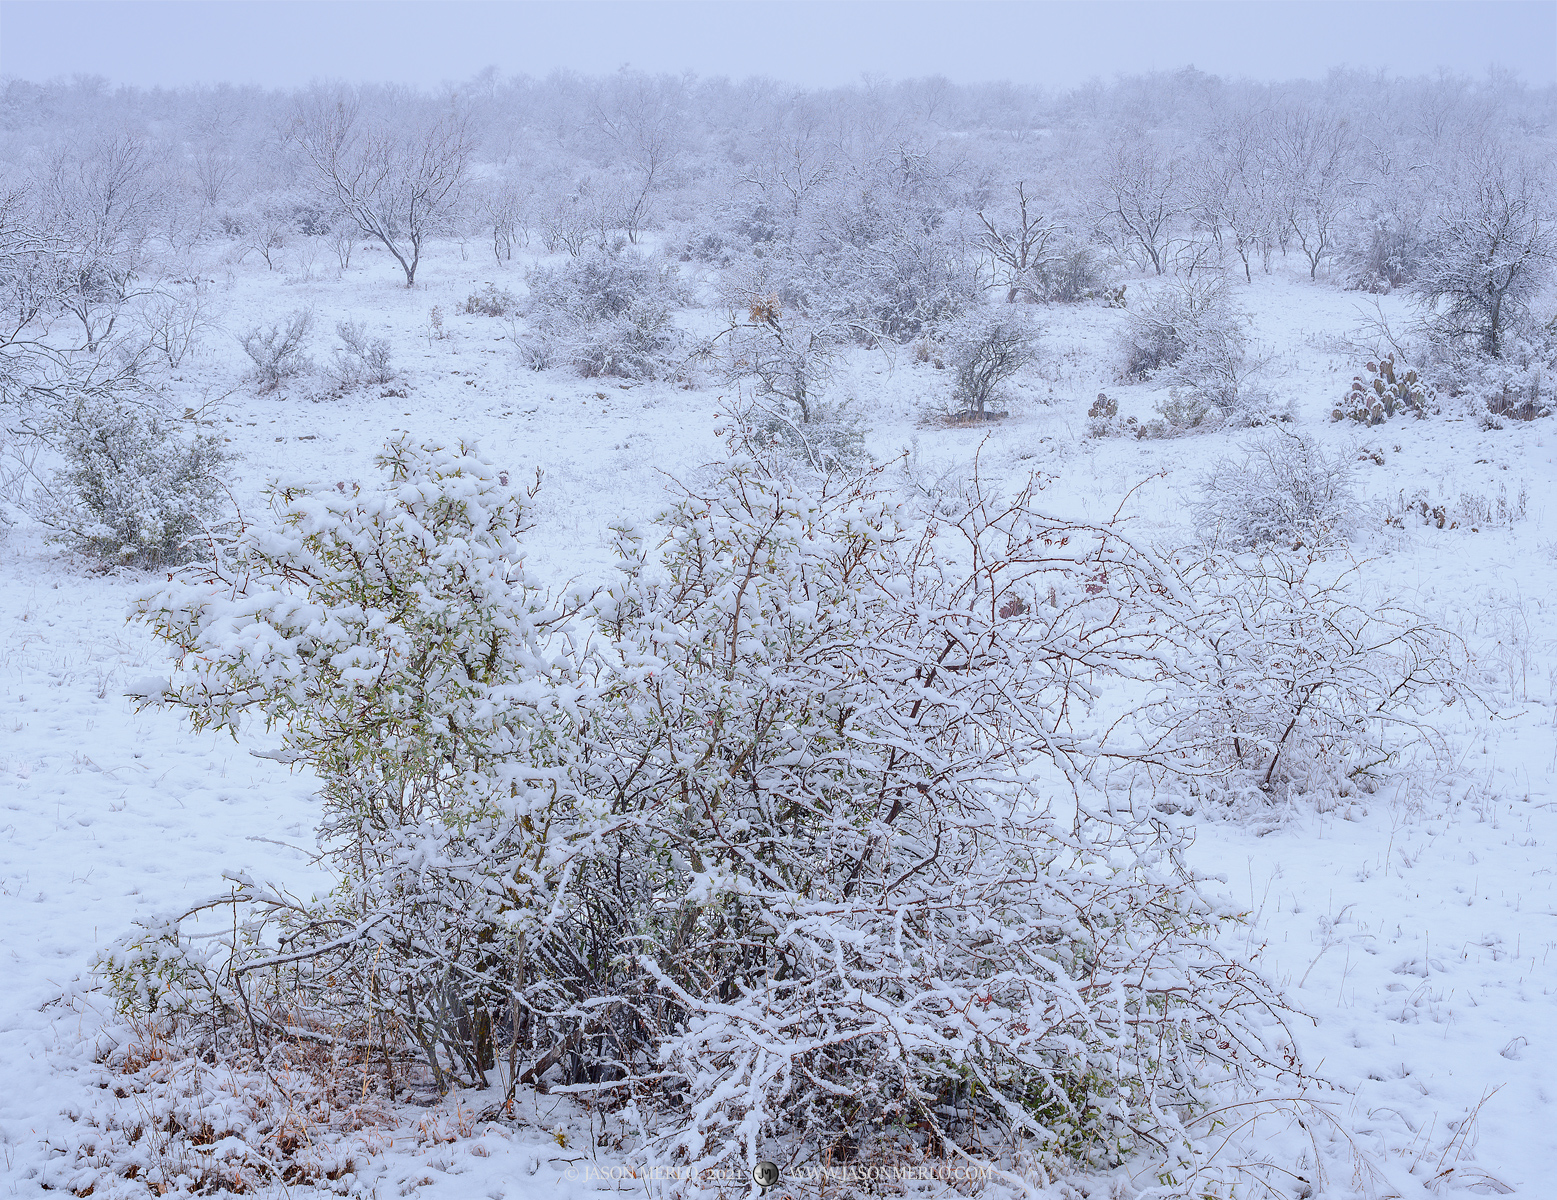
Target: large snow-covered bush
1174, 320
798, 831
1188, 337
1309, 687
1284, 491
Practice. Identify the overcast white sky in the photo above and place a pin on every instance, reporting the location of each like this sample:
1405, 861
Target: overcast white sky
286, 42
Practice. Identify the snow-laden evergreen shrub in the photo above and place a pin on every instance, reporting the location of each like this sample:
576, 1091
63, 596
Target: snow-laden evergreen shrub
604, 312
136, 488
795, 835
1285, 491
428, 684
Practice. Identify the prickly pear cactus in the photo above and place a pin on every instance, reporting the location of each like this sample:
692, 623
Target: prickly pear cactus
1389, 390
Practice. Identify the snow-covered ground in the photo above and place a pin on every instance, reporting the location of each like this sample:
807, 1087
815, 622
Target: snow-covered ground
1414, 927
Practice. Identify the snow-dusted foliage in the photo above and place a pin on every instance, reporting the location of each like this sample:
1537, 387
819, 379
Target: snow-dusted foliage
604, 312
865, 894
1177, 318
1188, 336
808, 837
1520, 384
136, 488
391, 635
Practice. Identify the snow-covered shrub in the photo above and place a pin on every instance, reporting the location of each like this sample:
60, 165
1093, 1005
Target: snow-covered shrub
278, 353
605, 312
1175, 319
1212, 384
1187, 336
1522, 384
1071, 272
1519, 385
828, 437
1384, 245
985, 350
1387, 390
1309, 688
492, 301
817, 828
810, 770
883, 254
1284, 491
360, 360
136, 489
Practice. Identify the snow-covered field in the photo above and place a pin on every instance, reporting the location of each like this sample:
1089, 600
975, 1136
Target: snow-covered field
1415, 927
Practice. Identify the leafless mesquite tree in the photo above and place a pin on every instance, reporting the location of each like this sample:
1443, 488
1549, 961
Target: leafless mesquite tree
1141, 199
99, 200
1313, 156
642, 119
398, 183
1018, 250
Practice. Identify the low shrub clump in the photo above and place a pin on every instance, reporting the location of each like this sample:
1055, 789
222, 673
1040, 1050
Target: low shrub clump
606, 312
278, 352
1285, 491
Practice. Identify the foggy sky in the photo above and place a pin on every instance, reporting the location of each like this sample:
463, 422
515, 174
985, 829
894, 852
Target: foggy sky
281, 43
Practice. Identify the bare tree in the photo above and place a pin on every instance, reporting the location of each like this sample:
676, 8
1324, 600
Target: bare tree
1141, 198
399, 183
1233, 183
643, 120
99, 202
1020, 250
1313, 155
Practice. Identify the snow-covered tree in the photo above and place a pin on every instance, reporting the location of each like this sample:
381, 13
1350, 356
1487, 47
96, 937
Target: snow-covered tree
1491, 249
